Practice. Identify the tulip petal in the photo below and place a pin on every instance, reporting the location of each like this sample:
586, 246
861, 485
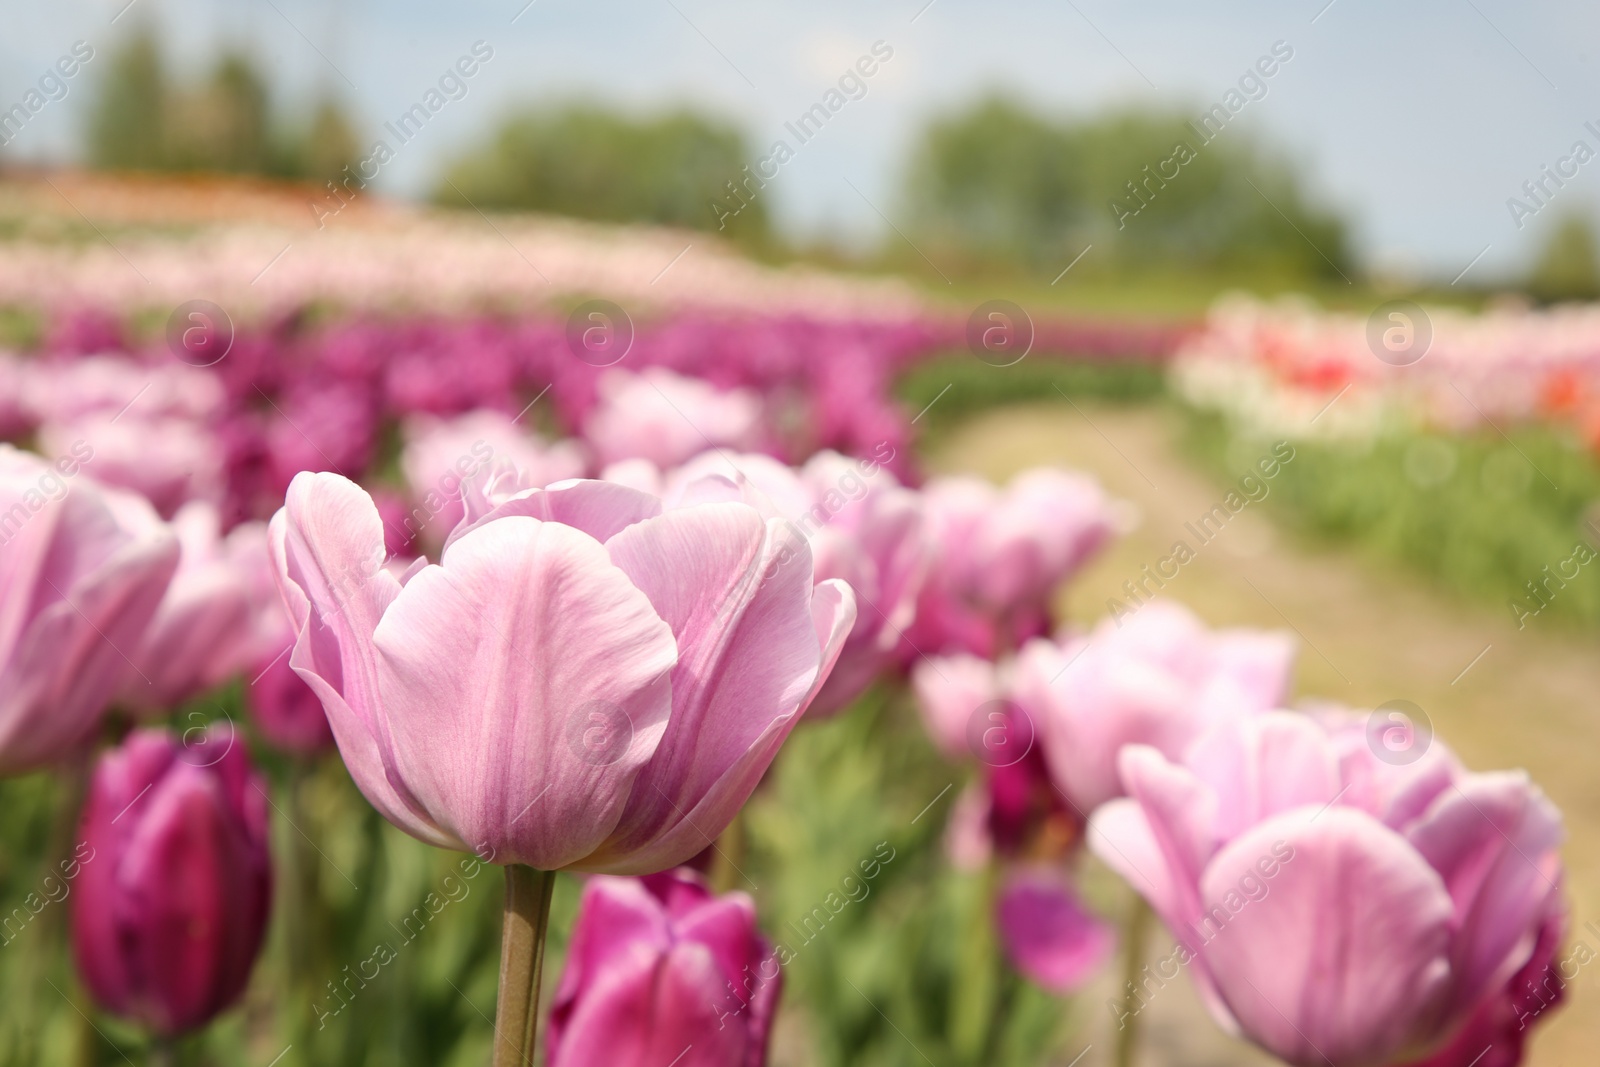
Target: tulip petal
1181, 813
599, 509
1048, 934
101, 583
1493, 839
738, 595
1267, 765
618, 919
328, 555
496, 668
949, 691
1342, 954
655, 1010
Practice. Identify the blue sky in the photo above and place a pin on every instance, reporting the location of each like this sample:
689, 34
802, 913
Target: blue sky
1419, 121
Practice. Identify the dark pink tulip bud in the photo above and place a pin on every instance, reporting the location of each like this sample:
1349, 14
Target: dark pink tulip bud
286, 710
171, 905
661, 971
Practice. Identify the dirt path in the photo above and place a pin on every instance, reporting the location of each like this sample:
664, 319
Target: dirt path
1370, 634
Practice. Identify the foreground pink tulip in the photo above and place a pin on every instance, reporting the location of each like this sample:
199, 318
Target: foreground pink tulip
1333, 907
863, 528
1000, 556
1158, 678
82, 570
440, 454
202, 634
584, 681
666, 418
169, 911
661, 971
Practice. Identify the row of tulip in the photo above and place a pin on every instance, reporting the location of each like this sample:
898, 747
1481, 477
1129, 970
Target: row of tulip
1275, 368
554, 673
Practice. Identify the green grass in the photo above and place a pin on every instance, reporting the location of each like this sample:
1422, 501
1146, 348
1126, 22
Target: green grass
1480, 514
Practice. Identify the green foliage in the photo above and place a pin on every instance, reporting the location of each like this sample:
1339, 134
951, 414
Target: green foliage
1568, 267
998, 185
975, 385
907, 967
1475, 513
141, 120
588, 161
883, 971
127, 127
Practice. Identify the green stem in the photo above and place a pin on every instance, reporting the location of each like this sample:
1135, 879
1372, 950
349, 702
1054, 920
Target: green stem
527, 917
302, 911
60, 851
728, 855
1133, 939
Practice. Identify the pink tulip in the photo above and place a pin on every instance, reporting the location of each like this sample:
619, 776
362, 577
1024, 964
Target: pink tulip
1000, 555
170, 906
1014, 814
203, 631
168, 461
667, 418
82, 571
440, 454
1335, 907
583, 680
1158, 678
660, 971
862, 527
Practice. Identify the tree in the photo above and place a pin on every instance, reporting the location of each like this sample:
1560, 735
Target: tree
592, 162
223, 125
1568, 267
127, 123
1000, 185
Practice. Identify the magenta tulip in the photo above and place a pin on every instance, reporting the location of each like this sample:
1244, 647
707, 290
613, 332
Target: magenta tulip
583, 680
1047, 933
659, 971
202, 633
285, 709
1000, 555
169, 910
82, 571
1158, 678
666, 418
1333, 905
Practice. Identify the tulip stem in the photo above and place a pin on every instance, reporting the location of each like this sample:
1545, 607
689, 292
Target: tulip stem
527, 917
1133, 939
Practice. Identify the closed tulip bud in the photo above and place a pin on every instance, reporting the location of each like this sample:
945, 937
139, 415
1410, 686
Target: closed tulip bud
82, 571
170, 907
661, 971
286, 710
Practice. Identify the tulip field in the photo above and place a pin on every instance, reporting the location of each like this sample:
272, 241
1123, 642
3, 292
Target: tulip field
457, 649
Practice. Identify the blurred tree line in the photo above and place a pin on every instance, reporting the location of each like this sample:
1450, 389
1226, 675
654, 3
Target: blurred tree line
992, 188
593, 162
999, 186
142, 119
1568, 264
